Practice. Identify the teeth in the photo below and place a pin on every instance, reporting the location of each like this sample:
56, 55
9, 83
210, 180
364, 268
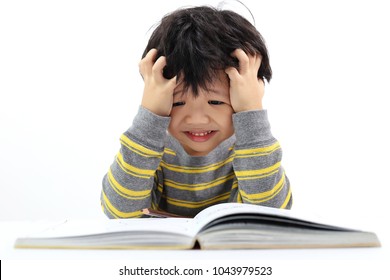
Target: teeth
200, 133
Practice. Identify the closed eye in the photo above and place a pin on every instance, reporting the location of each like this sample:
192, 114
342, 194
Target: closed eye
180, 103
215, 102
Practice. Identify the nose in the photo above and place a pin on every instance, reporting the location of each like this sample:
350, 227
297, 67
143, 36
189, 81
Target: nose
197, 113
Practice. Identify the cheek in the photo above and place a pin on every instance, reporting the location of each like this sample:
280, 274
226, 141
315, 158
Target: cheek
229, 125
173, 124
224, 118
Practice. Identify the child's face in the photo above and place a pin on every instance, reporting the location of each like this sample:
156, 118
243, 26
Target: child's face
200, 124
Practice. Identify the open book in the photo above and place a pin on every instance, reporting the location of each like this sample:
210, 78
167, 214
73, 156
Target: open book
222, 226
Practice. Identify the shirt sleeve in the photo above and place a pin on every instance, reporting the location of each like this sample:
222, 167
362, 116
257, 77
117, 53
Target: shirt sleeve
257, 162
129, 185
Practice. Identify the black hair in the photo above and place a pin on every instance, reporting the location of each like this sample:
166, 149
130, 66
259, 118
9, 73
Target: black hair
198, 41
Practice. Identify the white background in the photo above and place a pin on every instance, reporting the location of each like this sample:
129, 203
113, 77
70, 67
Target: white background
69, 86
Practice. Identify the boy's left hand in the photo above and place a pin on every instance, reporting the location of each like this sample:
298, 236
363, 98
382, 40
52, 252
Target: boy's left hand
246, 89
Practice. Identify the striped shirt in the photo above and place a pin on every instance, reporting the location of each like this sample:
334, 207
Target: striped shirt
153, 170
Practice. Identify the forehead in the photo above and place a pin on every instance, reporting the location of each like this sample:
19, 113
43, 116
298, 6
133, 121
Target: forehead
219, 86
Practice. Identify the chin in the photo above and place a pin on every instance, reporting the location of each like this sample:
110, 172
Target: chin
201, 152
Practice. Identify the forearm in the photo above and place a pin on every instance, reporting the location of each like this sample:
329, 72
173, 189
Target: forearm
257, 163
129, 184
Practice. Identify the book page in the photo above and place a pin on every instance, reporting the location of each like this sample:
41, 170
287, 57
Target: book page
224, 209
68, 228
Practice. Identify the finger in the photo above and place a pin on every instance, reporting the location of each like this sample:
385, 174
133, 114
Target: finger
232, 73
147, 62
258, 60
261, 81
243, 60
173, 82
158, 67
151, 55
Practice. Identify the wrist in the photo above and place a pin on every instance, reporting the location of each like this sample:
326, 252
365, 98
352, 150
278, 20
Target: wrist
156, 107
249, 107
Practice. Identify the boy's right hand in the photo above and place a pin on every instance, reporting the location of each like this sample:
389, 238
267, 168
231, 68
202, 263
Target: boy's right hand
158, 91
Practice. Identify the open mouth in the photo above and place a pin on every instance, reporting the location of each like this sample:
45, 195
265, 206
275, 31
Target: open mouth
200, 136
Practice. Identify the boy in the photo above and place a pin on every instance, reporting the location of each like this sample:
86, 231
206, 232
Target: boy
203, 71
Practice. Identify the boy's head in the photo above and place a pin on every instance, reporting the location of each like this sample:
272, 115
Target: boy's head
197, 43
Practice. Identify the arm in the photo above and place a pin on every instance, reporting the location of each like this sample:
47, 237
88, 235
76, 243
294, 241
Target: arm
129, 185
257, 163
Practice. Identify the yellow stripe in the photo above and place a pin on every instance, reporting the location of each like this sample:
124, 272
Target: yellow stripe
139, 149
169, 152
202, 169
259, 176
235, 184
126, 192
112, 214
104, 207
132, 170
258, 173
287, 200
160, 188
257, 151
197, 204
119, 214
200, 186
239, 197
265, 196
